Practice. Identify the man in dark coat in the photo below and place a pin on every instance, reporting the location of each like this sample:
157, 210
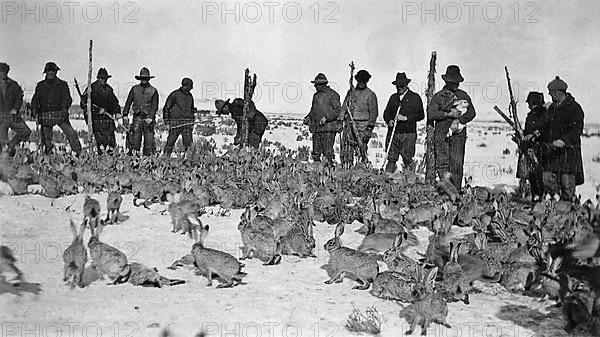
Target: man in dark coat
50, 103
178, 114
450, 109
403, 111
257, 122
322, 120
563, 169
105, 110
11, 99
143, 100
535, 122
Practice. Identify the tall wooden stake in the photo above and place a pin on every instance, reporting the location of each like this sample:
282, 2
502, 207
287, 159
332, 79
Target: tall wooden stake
429, 143
89, 98
249, 85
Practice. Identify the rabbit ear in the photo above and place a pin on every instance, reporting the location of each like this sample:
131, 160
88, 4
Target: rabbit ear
398, 239
339, 230
203, 233
431, 275
556, 264
419, 270
73, 229
452, 252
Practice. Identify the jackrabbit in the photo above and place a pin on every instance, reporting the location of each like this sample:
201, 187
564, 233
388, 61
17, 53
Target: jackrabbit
578, 302
428, 306
548, 283
75, 258
184, 214
113, 204
380, 242
454, 284
106, 259
391, 285
397, 261
258, 237
345, 261
214, 262
91, 211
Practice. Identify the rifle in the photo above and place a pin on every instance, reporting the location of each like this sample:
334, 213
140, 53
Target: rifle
361, 147
513, 109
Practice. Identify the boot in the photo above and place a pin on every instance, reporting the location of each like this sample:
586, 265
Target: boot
391, 167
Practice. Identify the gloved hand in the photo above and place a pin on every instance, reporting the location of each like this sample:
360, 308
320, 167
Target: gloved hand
391, 123
148, 120
306, 120
13, 112
401, 117
322, 121
339, 126
528, 137
454, 113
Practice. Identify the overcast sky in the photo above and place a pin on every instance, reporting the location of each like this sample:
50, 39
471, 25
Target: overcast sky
288, 43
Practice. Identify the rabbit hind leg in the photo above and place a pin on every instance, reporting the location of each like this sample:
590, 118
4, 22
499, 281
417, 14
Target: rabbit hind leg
228, 283
364, 285
337, 278
424, 326
413, 324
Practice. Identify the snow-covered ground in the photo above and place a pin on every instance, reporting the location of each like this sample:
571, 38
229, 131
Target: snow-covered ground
289, 299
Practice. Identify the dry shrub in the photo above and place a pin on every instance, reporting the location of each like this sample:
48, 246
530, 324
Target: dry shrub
369, 322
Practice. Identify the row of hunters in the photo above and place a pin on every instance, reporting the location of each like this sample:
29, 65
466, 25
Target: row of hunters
550, 149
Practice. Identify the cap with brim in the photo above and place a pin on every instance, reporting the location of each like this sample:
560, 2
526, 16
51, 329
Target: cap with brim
220, 104
320, 79
51, 66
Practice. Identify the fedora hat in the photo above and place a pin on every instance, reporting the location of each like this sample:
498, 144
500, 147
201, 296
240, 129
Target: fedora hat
220, 104
320, 79
401, 79
51, 66
452, 74
4, 67
144, 74
102, 73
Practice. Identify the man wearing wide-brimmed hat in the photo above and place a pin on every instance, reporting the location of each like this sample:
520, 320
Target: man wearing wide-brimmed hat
362, 102
143, 100
50, 103
531, 148
403, 111
178, 114
257, 122
450, 134
11, 99
563, 169
105, 110
322, 120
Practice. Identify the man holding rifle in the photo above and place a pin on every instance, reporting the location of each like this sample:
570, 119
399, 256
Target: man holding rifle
447, 110
535, 123
361, 103
105, 110
403, 111
562, 137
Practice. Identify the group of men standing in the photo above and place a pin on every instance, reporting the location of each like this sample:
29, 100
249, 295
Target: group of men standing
551, 138
554, 132
52, 99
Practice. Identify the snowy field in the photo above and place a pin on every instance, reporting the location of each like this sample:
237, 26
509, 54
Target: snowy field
289, 299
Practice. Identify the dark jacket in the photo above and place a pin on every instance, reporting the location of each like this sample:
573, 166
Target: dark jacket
103, 97
257, 122
143, 100
51, 95
325, 103
535, 122
179, 107
565, 121
11, 99
441, 103
411, 107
